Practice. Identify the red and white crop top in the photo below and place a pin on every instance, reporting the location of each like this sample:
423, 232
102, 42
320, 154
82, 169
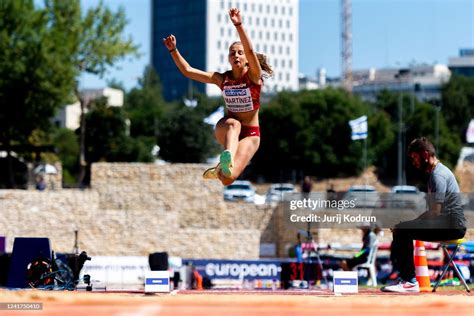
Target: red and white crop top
241, 95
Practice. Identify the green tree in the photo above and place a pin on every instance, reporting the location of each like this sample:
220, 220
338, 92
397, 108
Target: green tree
107, 137
418, 120
66, 143
457, 104
308, 132
145, 105
36, 69
422, 122
184, 137
99, 44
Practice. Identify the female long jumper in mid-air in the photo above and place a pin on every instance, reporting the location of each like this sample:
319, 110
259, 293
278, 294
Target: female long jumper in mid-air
238, 131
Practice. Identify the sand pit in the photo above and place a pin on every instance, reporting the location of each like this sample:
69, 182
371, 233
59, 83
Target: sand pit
368, 302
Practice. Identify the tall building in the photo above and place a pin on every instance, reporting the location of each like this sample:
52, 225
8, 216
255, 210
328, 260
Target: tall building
204, 33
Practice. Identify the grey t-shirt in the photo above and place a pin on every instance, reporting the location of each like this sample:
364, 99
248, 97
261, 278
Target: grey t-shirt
443, 188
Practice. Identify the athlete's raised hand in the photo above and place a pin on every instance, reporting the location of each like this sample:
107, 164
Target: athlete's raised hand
235, 16
170, 42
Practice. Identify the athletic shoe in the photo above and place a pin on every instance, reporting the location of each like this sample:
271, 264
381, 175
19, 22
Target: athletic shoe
211, 173
402, 287
227, 163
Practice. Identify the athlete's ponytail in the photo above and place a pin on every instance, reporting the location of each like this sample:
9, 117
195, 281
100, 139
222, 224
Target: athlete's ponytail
267, 69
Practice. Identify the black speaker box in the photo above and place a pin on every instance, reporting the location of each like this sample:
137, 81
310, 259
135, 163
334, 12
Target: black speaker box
25, 250
158, 261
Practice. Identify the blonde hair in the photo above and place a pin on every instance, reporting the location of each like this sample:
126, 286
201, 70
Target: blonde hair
263, 61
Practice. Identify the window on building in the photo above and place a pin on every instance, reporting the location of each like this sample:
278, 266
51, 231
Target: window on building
283, 11
222, 4
219, 18
268, 8
265, 48
273, 49
290, 62
275, 36
258, 47
280, 23
291, 37
290, 11
276, 62
287, 23
279, 76
280, 50
219, 44
287, 76
265, 22
222, 58
272, 23
287, 50
275, 10
250, 20
252, 33
283, 64
260, 36
268, 36
283, 37
229, 32
222, 31
245, 6
253, 7
260, 8
257, 21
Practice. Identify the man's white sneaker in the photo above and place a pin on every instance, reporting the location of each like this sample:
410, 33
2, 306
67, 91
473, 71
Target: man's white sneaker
402, 287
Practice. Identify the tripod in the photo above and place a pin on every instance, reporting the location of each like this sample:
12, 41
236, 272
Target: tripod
307, 250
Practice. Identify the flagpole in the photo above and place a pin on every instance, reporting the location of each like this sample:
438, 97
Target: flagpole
365, 160
360, 131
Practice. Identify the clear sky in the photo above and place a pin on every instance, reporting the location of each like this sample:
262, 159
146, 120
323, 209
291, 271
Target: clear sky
386, 33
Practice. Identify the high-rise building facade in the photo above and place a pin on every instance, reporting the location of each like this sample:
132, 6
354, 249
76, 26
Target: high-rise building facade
204, 33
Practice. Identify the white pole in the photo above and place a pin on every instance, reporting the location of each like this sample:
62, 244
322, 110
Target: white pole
365, 158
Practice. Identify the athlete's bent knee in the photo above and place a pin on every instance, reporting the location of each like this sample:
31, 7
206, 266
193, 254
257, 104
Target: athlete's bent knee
232, 123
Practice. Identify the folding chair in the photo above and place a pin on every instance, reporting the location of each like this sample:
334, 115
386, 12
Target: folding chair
457, 244
370, 265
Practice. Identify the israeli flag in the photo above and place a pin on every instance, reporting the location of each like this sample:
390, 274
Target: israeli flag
359, 128
470, 132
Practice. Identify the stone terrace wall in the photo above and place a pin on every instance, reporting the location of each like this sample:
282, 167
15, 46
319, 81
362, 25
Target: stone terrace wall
137, 209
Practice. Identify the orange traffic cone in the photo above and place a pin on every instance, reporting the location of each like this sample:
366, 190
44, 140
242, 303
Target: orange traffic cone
421, 267
198, 278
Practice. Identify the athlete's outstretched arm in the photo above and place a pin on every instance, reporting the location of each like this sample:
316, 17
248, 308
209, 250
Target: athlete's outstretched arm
255, 71
188, 71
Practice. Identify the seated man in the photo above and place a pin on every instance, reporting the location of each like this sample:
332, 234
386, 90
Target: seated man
369, 241
444, 219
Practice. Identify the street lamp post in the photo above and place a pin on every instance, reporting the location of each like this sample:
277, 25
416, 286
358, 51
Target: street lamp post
438, 110
400, 137
401, 170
